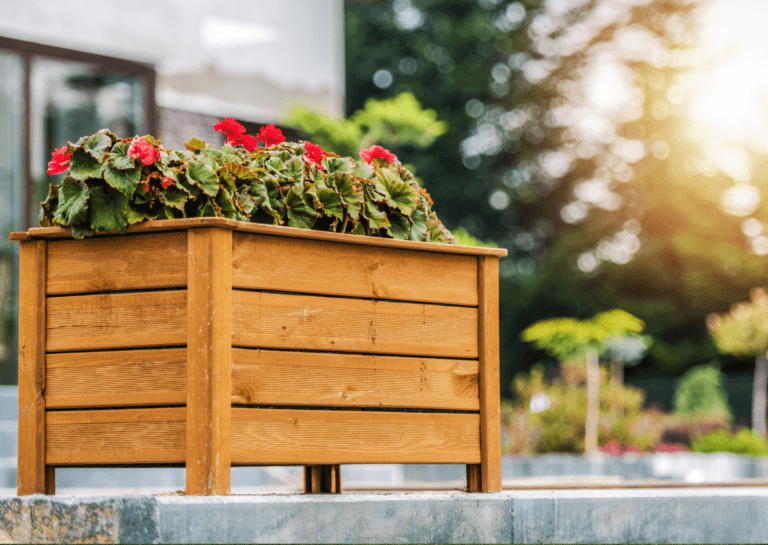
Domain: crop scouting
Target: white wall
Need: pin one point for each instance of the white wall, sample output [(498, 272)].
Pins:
[(251, 59)]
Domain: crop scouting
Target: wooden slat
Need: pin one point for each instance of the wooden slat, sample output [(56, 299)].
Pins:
[(31, 471), (269, 320), (192, 223), (490, 396), (118, 436), (306, 437), (209, 357), (152, 260), (267, 377), (120, 320), (119, 378), (331, 268)]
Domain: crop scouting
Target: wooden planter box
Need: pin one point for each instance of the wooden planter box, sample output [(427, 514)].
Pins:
[(208, 343)]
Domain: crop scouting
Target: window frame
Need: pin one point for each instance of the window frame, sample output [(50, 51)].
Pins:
[(27, 51)]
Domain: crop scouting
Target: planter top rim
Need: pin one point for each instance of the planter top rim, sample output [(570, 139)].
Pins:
[(243, 226)]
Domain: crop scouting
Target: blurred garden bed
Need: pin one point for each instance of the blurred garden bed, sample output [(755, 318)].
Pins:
[(549, 414)]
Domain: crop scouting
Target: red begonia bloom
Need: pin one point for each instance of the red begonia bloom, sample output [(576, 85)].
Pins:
[(373, 152), (144, 150), (230, 128), (270, 135), (246, 140), (612, 448), (146, 183), (166, 183), (59, 162), (314, 152)]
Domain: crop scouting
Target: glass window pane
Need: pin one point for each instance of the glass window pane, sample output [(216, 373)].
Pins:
[(70, 100), (11, 205)]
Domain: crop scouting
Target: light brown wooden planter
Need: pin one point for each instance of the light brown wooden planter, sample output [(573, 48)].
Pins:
[(208, 343)]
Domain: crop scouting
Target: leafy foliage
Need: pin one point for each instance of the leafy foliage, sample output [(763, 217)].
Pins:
[(566, 338), (107, 189), (701, 393), (744, 330), (744, 442)]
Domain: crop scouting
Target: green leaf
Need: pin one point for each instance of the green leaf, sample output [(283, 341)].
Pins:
[(337, 164), (195, 144), (108, 210), (351, 191), (238, 171), (125, 181), (97, 146), (208, 210), (331, 201), (72, 208), (174, 197), (259, 192), (358, 230), (299, 207), (363, 170), (438, 232), (419, 227), (82, 166), (205, 177), (81, 231), (377, 218), (399, 227), (48, 206), (132, 215), (294, 167), (399, 194), (224, 200), (118, 158)]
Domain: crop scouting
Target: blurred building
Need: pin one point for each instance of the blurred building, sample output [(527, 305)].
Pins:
[(162, 67)]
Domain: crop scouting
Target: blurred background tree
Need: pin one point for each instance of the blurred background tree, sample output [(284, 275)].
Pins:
[(584, 340), (580, 136)]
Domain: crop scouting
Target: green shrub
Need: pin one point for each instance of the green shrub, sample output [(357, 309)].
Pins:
[(701, 393), (744, 442)]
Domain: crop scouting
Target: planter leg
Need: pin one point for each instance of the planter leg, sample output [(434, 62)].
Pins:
[(32, 474), (473, 478), (209, 361), (322, 479), (490, 396)]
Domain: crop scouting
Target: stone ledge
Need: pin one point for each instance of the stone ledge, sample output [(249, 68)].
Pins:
[(691, 515)]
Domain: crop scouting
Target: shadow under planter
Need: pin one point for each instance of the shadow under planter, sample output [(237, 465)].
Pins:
[(208, 343)]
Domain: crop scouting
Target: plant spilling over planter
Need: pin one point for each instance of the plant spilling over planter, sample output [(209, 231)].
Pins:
[(114, 183)]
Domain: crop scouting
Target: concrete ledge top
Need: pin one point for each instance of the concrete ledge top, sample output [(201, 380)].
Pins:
[(675, 515)]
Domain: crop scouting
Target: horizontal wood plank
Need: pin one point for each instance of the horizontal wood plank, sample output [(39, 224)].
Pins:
[(191, 223), (128, 436), (118, 378), (301, 322), (331, 268), (120, 320), (153, 260), (266, 377), (294, 436)]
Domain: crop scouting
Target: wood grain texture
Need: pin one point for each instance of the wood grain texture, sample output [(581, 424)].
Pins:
[(152, 260), (120, 320), (209, 357), (192, 223), (31, 472), (322, 479), (116, 378), (267, 377), (269, 320), (332, 268), (118, 436), (490, 396), (306, 437), (473, 478)]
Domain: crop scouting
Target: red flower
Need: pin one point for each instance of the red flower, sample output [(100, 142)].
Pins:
[(59, 162), (374, 152), (314, 153), (166, 183), (231, 128), (144, 150), (661, 447), (247, 141), (146, 183), (270, 135), (612, 448)]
